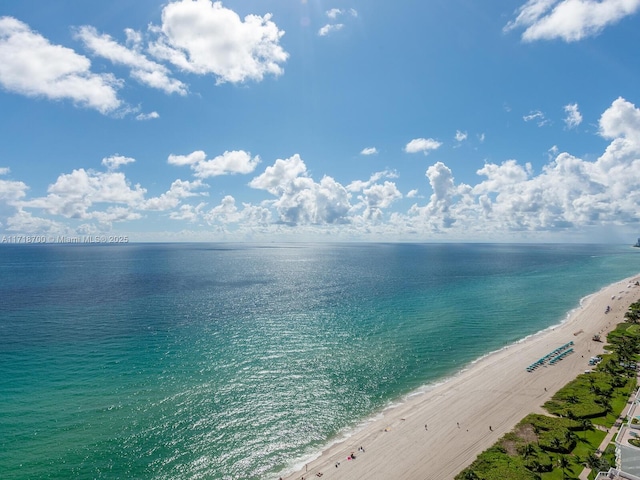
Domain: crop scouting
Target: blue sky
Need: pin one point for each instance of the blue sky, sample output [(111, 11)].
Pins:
[(312, 120)]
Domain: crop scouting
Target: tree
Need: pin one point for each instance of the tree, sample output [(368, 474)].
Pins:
[(569, 437), (563, 463), (573, 399), (470, 475), (535, 466), (592, 462), (527, 450), (586, 425)]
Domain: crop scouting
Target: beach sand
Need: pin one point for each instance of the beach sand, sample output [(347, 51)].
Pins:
[(438, 433)]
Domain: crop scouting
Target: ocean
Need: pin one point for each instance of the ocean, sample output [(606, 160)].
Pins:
[(238, 361)]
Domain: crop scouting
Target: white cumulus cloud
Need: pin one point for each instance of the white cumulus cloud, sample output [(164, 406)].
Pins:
[(569, 20), (301, 200), (229, 163), (369, 151), (330, 28), (179, 190), (145, 71), (203, 37), (116, 161), (237, 161), (30, 65), (424, 145), (574, 117), (622, 119), (192, 158), (147, 116), (74, 194)]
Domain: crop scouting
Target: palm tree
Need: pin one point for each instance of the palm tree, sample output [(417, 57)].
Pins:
[(535, 466), (556, 443), (592, 462), (470, 475), (610, 368), (604, 402), (573, 399), (633, 314), (563, 463), (587, 425), (569, 438), (528, 450)]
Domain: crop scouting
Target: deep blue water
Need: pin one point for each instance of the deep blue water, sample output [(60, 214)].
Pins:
[(223, 361)]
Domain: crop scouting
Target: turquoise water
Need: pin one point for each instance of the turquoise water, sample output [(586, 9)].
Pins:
[(225, 361)]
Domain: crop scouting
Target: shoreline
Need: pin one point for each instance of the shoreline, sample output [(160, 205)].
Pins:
[(438, 430)]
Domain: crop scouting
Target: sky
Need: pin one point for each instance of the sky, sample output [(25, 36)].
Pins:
[(320, 120)]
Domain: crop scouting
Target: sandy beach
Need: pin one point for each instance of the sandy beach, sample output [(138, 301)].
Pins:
[(437, 433)]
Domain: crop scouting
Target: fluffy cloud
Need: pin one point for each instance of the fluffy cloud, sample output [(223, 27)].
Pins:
[(622, 119), (424, 145), (24, 222), (574, 117), (179, 190), (237, 161), (378, 197), (143, 70), (11, 191), (188, 213), (333, 14), (460, 136), (570, 20), (147, 116), (369, 151), (116, 161), (73, 195), (359, 185), (31, 66), (192, 158), (279, 177), (203, 37), (300, 199), (330, 28)]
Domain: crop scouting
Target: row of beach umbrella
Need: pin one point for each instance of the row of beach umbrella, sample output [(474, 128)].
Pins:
[(552, 357)]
